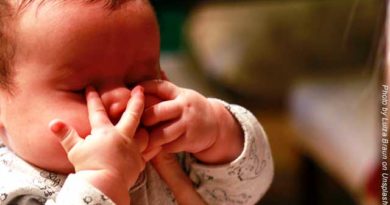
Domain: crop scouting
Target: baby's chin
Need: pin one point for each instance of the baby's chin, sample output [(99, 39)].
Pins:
[(49, 156), (61, 168), (58, 164)]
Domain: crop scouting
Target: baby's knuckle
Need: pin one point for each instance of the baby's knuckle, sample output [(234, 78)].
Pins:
[(132, 115), (185, 104), (101, 131), (72, 156)]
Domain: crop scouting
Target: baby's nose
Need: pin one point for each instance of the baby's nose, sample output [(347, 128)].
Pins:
[(115, 101)]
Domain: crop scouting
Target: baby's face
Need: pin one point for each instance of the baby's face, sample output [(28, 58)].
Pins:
[(63, 46)]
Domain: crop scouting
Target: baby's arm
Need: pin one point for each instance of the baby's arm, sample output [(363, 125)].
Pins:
[(109, 159), (244, 180), (233, 159)]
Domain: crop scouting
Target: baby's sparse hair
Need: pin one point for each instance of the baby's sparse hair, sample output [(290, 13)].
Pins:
[(5, 44), (8, 15)]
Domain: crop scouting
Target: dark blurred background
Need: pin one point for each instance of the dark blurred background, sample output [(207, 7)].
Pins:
[(308, 69)]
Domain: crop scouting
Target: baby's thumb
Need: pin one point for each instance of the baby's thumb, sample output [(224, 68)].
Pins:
[(179, 183), (66, 134)]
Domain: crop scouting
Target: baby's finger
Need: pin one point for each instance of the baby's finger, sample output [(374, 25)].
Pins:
[(151, 100), (163, 111), (130, 119), (96, 111), (166, 133), (150, 154), (141, 137), (66, 134), (175, 146), (161, 88)]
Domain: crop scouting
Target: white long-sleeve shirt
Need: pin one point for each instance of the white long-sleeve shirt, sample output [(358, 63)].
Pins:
[(242, 181)]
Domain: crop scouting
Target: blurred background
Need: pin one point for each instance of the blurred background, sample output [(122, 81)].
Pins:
[(308, 69)]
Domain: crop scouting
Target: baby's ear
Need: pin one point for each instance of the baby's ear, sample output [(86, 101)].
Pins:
[(3, 132)]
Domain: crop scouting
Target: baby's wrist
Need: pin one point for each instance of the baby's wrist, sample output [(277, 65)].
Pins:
[(109, 184), (229, 142)]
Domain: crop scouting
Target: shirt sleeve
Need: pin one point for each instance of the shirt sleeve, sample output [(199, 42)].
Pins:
[(244, 180), (23, 184), (77, 191)]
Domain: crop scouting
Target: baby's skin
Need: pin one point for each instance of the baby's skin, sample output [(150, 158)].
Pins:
[(187, 121), (124, 146), (86, 98), (118, 161)]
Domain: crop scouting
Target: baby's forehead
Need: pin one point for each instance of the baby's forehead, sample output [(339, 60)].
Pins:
[(45, 8), (77, 17), (90, 35), (110, 4)]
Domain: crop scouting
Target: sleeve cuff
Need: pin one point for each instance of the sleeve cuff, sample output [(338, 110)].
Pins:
[(250, 174), (77, 191)]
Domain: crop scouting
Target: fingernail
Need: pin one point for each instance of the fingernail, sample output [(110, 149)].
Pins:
[(138, 89), (56, 126), (89, 89)]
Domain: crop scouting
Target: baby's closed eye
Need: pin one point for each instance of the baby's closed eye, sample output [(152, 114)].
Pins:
[(78, 91)]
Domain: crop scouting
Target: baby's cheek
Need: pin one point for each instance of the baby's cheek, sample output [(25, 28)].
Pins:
[(80, 122), (115, 111), (83, 128)]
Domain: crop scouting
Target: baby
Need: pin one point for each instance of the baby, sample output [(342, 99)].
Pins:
[(84, 106)]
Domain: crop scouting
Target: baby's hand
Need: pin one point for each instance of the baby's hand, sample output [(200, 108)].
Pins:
[(109, 157), (187, 121), (183, 121)]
